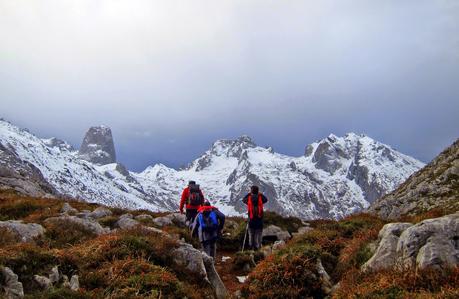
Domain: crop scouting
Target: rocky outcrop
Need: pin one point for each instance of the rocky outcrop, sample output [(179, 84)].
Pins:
[(22, 176), (58, 143), (385, 255), (68, 209), (275, 233), (171, 219), (26, 232), (214, 279), (12, 287), (187, 257), (100, 212), (434, 186), (432, 243), (98, 146), (74, 283), (126, 221), (86, 223)]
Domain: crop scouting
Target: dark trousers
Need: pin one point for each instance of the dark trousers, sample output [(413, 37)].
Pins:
[(190, 215), (210, 248), (255, 237)]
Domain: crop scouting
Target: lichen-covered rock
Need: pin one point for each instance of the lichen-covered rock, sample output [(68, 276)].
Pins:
[(12, 287), (191, 259), (278, 245), (100, 212), (26, 232), (126, 222), (215, 281), (144, 217), (275, 233), (54, 276), (43, 282), (68, 209), (385, 255), (88, 223), (163, 221), (324, 277), (74, 283), (430, 243)]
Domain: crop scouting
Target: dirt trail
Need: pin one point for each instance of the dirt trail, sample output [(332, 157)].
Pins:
[(226, 271)]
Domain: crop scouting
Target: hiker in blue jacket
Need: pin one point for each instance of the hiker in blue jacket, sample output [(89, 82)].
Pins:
[(208, 224)]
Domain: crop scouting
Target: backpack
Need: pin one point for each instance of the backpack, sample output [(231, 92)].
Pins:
[(194, 196), (208, 223)]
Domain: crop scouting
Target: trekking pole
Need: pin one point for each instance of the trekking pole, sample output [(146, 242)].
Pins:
[(245, 235)]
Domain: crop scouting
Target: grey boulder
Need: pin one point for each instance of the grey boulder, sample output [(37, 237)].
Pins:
[(430, 243), (385, 255), (68, 209), (214, 279), (43, 282), (26, 232), (87, 223), (191, 259), (126, 222), (12, 287), (100, 212), (275, 232)]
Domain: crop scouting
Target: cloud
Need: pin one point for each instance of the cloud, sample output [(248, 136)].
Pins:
[(193, 71)]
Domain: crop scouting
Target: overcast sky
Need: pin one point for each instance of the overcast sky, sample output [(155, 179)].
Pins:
[(170, 77)]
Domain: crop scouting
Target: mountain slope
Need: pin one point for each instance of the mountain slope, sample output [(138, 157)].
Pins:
[(58, 171), (434, 186), (336, 177)]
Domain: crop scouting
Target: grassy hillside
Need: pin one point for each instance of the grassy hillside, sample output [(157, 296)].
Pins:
[(342, 247), (136, 263), (124, 264)]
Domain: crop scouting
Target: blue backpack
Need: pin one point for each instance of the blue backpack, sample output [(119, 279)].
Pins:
[(209, 223)]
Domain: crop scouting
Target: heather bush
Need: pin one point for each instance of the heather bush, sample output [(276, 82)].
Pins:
[(64, 233), (291, 273), (27, 259), (16, 209)]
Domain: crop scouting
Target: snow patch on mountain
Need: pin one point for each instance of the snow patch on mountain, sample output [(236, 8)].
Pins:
[(335, 177)]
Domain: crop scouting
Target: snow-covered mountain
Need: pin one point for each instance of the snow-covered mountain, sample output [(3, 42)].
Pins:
[(335, 177)]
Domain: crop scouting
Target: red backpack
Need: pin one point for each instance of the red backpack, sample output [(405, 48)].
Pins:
[(194, 196)]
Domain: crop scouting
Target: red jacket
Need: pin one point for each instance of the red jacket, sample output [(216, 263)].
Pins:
[(185, 194)]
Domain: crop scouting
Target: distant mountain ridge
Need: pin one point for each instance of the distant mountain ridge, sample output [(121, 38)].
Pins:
[(336, 176)]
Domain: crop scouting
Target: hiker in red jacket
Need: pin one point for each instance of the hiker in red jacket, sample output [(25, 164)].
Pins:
[(193, 198), (254, 201)]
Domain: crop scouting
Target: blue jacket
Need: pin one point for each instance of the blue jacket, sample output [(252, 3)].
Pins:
[(205, 235)]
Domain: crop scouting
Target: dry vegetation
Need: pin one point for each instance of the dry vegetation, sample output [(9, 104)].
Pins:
[(137, 263), (125, 264), (343, 246)]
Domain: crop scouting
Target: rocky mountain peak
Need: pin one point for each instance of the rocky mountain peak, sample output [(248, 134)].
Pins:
[(98, 146), (54, 142)]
